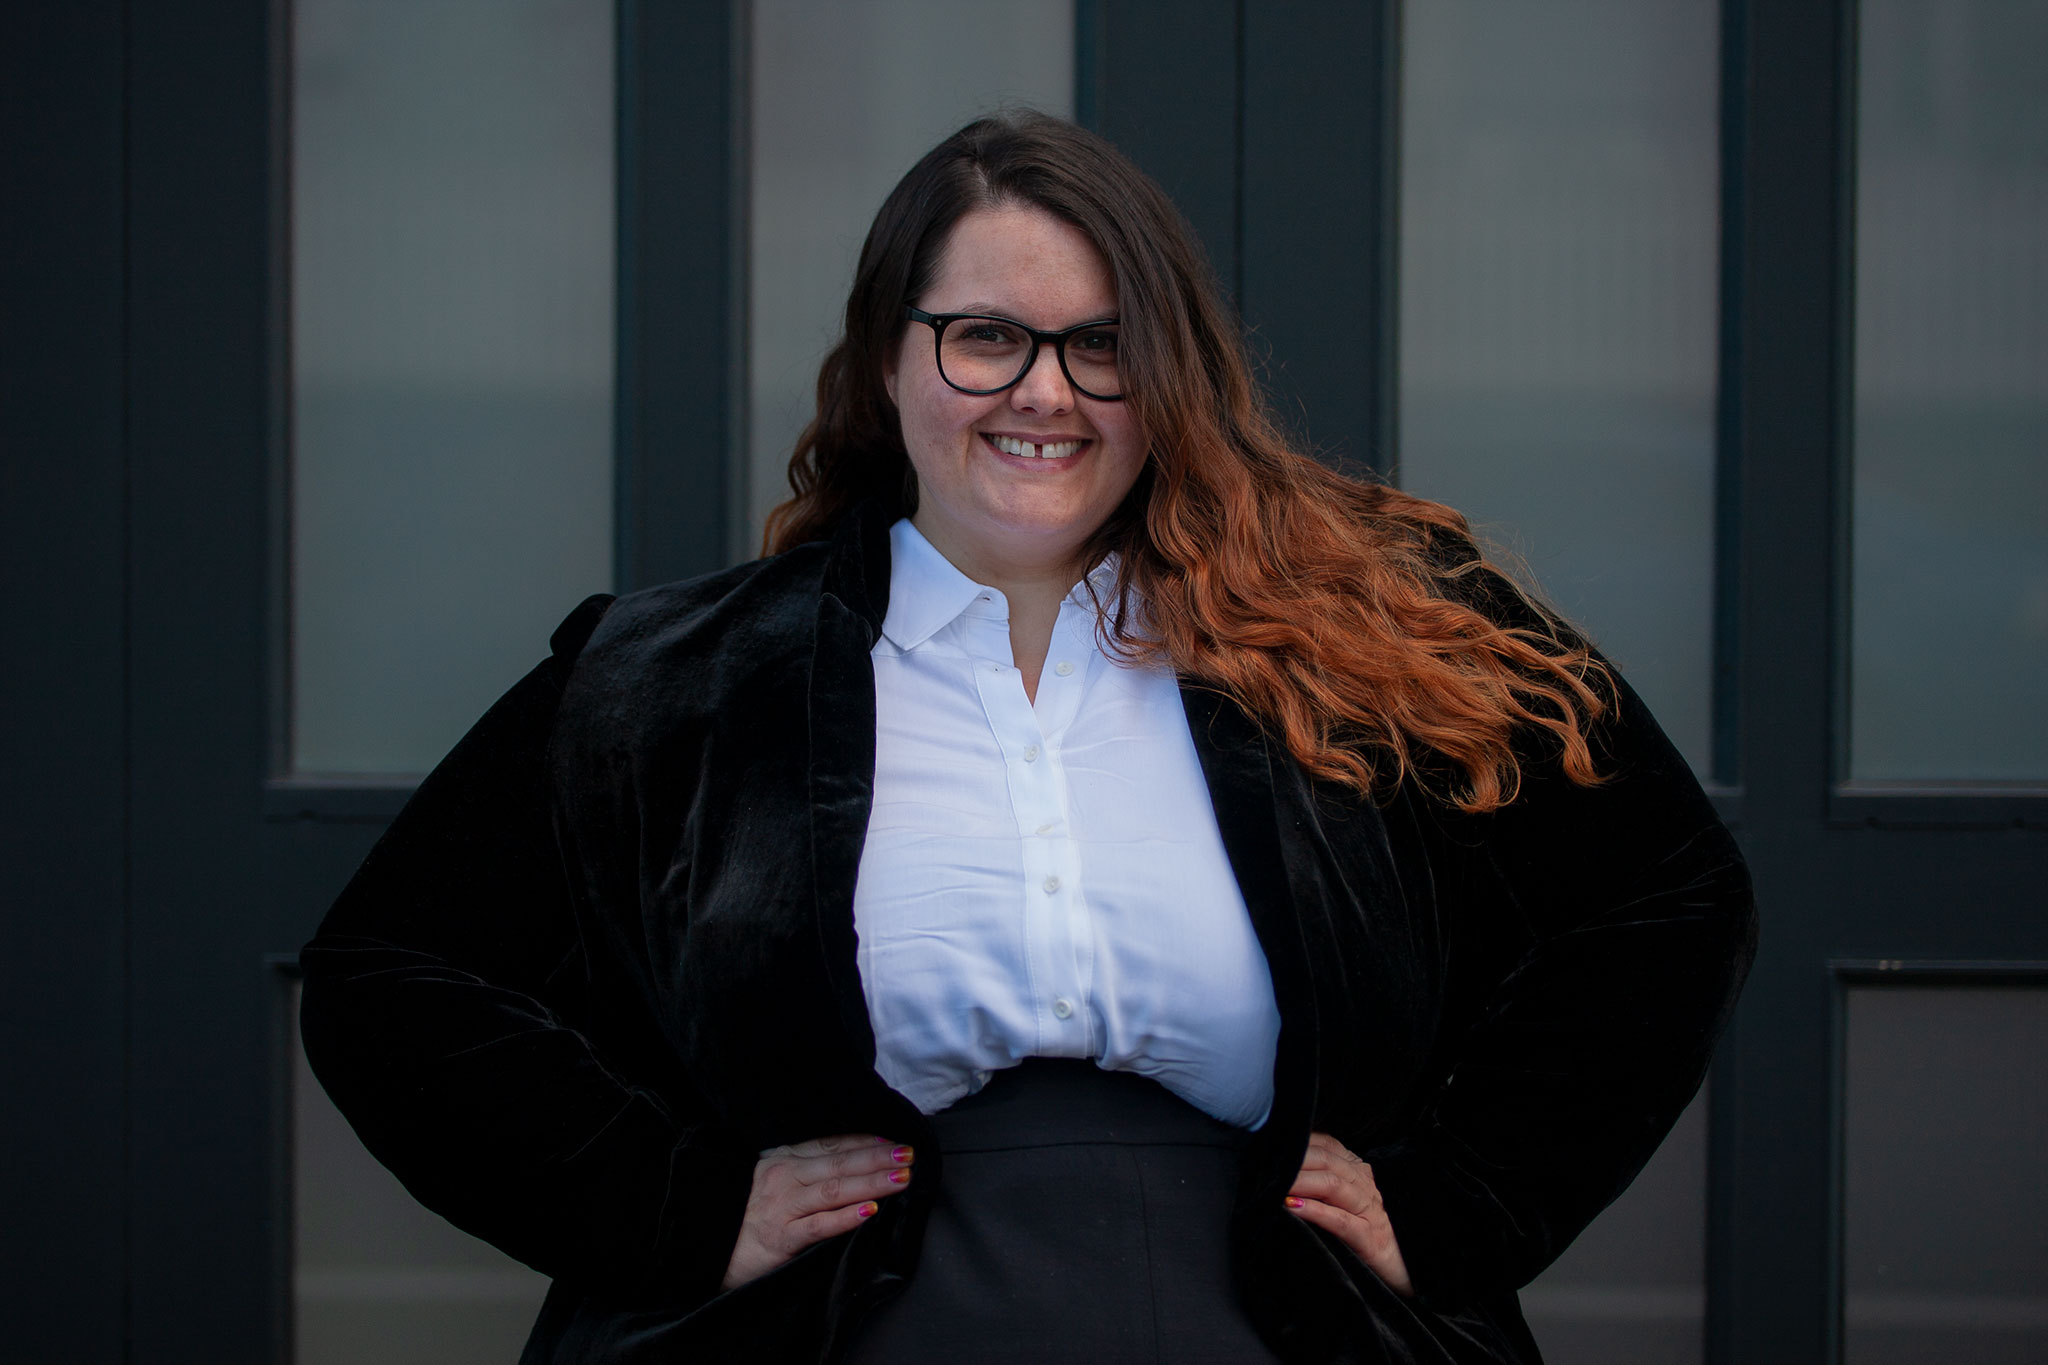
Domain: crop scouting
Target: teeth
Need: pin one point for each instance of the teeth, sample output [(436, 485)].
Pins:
[(1051, 450)]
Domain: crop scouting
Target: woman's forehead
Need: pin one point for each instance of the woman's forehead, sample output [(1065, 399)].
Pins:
[(1022, 262)]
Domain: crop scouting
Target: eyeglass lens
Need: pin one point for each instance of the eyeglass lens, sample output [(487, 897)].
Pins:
[(987, 354)]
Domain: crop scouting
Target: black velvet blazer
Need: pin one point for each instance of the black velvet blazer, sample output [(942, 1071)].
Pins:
[(605, 956)]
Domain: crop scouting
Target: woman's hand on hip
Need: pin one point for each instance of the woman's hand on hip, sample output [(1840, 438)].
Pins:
[(1336, 1192), (811, 1191)]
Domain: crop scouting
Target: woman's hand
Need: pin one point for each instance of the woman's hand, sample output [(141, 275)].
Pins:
[(811, 1191), (1335, 1191)]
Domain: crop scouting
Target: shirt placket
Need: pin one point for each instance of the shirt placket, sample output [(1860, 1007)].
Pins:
[(1053, 913), (1062, 690)]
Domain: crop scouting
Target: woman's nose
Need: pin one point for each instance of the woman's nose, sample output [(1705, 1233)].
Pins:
[(1044, 387)]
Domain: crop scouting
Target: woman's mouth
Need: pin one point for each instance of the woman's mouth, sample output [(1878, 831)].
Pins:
[(1049, 450)]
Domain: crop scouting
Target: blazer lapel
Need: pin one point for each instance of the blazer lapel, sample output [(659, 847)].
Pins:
[(841, 722), (1238, 768), (881, 1254)]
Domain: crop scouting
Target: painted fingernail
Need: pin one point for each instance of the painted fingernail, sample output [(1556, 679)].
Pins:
[(867, 1210), (1292, 1202), (899, 1177), (902, 1155)]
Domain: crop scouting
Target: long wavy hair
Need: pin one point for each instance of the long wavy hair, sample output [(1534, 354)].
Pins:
[(1345, 616)]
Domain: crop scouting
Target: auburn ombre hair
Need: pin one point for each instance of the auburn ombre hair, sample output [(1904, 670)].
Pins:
[(1345, 616)]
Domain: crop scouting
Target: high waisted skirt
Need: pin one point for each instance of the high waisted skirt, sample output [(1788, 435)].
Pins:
[(1084, 1216)]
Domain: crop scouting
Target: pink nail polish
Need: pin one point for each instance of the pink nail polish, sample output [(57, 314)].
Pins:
[(867, 1210), (1292, 1202), (902, 1155), (899, 1177)]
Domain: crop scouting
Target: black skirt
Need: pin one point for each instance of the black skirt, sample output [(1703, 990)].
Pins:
[(1084, 1216)]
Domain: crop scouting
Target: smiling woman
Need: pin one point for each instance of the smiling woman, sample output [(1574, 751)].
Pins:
[(1040, 910), (1014, 480), (1329, 607)]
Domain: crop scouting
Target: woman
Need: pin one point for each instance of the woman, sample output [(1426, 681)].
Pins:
[(742, 969)]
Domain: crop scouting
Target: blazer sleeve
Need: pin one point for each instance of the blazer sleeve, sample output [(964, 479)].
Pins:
[(432, 1014), (1609, 929)]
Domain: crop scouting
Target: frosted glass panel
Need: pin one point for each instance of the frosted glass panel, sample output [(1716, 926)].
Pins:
[(1945, 1212), (846, 97), (1632, 1288), (1559, 217), (1950, 550), (451, 475), (378, 1280)]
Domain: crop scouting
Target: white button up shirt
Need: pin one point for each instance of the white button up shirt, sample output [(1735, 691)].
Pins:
[(1045, 880)]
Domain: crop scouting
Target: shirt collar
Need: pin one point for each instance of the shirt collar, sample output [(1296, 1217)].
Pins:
[(927, 592), (1103, 576)]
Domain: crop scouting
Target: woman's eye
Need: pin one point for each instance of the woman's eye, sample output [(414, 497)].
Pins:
[(987, 332), (1098, 345)]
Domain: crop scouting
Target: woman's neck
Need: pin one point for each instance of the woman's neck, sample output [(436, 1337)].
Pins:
[(1033, 589), (1034, 610)]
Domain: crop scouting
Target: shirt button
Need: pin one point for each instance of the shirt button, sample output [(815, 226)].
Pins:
[(1031, 753), (1063, 668), (995, 668), (1047, 828), (1062, 1007), (1052, 886)]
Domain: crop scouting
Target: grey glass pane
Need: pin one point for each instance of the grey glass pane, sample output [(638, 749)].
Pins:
[(378, 1280), (1945, 1212), (1632, 1289), (451, 475), (845, 98), (1950, 547), (1559, 223)]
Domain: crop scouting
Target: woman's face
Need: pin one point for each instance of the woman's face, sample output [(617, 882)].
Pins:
[(993, 512)]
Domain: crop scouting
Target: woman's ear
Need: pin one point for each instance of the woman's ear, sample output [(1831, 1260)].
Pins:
[(889, 376)]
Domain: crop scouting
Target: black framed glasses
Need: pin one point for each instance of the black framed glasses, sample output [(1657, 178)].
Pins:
[(980, 354)]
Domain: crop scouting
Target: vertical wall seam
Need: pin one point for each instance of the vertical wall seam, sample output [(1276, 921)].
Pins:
[(1387, 269), (282, 626), (1843, 141), (623, 85), (1237, 104), (1087, 65), (1724, 1120), (127, 689), (1732, 122), (738, 474)]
